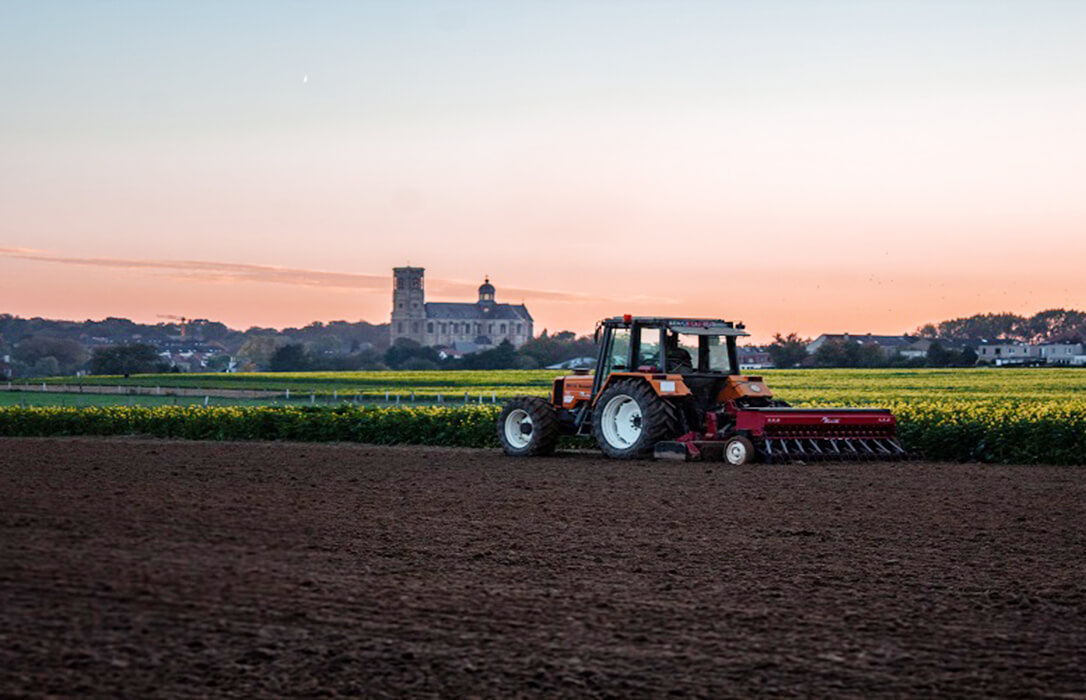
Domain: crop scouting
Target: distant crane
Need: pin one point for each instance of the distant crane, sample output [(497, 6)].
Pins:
[(182, 319)]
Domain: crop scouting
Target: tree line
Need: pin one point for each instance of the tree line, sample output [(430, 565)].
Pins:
[(406, 354), (1050, 326), (38, 347), (44, 347), (791, 351)]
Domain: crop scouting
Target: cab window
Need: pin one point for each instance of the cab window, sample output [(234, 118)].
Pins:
[(648, 354), (718, 355), (620, 351), (682, 352)]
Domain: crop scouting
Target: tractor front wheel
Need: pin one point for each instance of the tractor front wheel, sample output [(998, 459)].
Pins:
[(528, 427), (630, 418)]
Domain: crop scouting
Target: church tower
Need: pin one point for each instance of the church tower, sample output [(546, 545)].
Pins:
[(408, 303), (486, 293)]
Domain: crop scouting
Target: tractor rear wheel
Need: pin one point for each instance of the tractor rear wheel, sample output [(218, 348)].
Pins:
[(528, 427), (630, 418)]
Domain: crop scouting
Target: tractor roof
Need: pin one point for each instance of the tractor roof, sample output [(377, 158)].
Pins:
[(698, 326)]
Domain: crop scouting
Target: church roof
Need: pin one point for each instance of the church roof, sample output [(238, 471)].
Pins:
[(477, 312)]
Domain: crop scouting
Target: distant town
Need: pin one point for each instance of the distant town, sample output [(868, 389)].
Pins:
[(486, 334)]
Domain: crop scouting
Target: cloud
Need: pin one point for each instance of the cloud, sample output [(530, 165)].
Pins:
[(214, 271), (232, 273)]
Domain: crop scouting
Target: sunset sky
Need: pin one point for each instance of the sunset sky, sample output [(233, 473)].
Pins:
[(801, 166)]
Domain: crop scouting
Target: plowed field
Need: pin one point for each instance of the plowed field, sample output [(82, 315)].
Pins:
[(140, 568)]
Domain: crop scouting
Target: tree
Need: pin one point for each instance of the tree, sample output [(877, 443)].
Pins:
[(870, 355), (46, 367), (992, 326), (256, 351), (208, 330), (218, 363), (67, 354), (787, 351), (938, 356), (836, 353), (1057, 326), (405, 349), (368, 359), (419, 364), (127, 359), (967, 357), (292, 357), (502, 357)]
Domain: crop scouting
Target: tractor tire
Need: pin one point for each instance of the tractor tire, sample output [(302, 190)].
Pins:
[(528, 427), (630, 418), (739, 451)]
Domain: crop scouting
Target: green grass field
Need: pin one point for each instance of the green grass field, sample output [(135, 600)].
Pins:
[(802, 387), (31, 398)]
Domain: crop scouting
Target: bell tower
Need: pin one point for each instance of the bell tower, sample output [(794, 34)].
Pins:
[(408, 303)]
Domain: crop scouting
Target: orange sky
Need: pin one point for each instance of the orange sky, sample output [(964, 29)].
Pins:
[(820, 169)]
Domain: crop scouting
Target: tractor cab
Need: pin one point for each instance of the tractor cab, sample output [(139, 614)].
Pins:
[(694, 358)]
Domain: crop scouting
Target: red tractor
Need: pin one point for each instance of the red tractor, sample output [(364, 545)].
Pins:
[(671, 388)]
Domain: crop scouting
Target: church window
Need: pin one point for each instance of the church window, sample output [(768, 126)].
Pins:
[(400, 305), (502, 331), (444, 328), (519, 329), (399, 327), (430, 327), (490, 328), (415, 305)]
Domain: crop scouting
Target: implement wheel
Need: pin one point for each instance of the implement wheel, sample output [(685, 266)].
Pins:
[(528, 427), (630, 418), (738, 451)]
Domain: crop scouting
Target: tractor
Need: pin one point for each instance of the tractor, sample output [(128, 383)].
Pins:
[(670, 388)]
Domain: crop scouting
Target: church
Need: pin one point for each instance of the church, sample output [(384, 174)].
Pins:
[(464, 327)]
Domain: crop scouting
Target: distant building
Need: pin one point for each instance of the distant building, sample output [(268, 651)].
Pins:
[(1061, 353), (754, 358), (467, 327), (1009, 353)]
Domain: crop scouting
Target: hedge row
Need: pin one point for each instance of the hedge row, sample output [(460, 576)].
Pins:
[(454, 427), (1004, 433), (1050, 434)]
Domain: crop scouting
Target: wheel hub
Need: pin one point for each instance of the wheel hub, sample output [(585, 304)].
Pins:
[(518, 428), (621, 421)]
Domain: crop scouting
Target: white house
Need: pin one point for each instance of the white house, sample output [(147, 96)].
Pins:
[(1009, 353), (1061, 353)]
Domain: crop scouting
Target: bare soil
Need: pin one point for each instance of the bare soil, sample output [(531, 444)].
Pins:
[(150, 568)]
